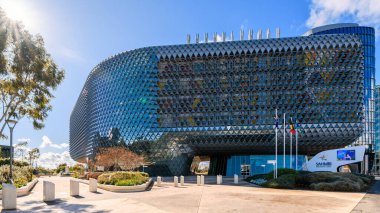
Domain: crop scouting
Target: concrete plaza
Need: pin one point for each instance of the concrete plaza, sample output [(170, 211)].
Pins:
[(189, 198)]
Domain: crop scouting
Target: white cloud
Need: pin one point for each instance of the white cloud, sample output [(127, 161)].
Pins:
[(51, 160), (365, 12), (21, 140), (46, 142)]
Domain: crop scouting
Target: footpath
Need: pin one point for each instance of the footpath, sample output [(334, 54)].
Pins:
[(370, 203)]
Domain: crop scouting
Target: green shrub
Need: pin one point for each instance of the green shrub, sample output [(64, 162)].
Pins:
[(286, 181), (60, 168), (329, 181), (125, 183), (323, 181), (259, 176), (305, 180), (104, 178), (21, 175), (119, 178), (6, 161), (20, 182), (340, 185)]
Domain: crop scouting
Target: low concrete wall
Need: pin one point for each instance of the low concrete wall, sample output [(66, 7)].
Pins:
[(25, 189), (112, 188)]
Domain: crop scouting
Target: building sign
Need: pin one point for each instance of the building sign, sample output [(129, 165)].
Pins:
[(323, 164), (330, 160)]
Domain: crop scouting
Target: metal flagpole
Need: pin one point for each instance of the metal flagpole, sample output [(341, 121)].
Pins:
[(291, 144), (296, 145), (275, 167), (284, 139)]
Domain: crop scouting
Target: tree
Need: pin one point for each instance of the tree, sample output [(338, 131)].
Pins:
[(33, 155), (28, 75), (21, 149), (60, 168), (118, 157)]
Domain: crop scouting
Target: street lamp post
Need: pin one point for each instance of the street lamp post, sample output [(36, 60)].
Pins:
[(11, 124)]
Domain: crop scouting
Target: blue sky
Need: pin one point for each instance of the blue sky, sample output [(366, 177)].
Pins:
[(79, 34)]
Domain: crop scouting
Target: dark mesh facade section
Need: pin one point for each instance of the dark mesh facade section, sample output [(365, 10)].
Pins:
[(226, 102), (367, 36), (169, 103)]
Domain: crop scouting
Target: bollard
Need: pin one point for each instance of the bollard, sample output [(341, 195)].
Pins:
[(182, 180), (9, 199), (48, 191), (202, 180), (74, 188), (93, 183), (219, 179), (236, 179), (198, 180), (175, 181), (159, 181)]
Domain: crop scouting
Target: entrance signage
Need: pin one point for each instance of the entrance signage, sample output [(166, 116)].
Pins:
[(330, 160)]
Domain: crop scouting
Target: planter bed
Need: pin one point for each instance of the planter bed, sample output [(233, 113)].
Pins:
[(113, 188)]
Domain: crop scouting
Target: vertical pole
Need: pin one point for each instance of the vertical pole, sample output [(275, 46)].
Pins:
[(297, 148), (291, 154), (284, 140), (275, 166), (11, 156)]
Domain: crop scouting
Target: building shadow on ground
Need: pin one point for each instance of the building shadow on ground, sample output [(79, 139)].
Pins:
[(56, 205)]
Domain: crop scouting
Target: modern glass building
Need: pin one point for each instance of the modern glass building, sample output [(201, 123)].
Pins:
[(377, 129), (171, 103), (367, 35)]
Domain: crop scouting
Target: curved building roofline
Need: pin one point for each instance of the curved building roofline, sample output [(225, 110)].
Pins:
[(329, 27)]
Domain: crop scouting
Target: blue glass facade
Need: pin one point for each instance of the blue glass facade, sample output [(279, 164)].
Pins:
[(170, 103), (258, 164), (377, 128)]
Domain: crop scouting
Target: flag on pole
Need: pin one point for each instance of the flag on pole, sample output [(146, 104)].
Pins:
[(291, 125), (276, 120)]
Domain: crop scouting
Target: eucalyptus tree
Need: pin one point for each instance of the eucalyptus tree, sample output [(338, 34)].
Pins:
[(33, 155), (28, 75), (21, 149)]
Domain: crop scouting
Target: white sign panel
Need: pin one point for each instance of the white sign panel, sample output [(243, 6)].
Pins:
[(330, 160)]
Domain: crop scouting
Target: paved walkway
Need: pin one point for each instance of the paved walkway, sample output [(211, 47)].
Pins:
[(189, 198), (371, 201)]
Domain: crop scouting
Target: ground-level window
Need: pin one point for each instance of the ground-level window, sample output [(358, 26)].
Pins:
[(245, 169)]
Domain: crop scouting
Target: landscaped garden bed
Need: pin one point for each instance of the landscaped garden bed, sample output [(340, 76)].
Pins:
[(23, 178), (122, 181), (320, 181), (22, 175), (123, 178)]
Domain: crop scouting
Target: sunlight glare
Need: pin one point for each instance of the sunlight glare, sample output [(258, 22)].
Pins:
[(18, 11)]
